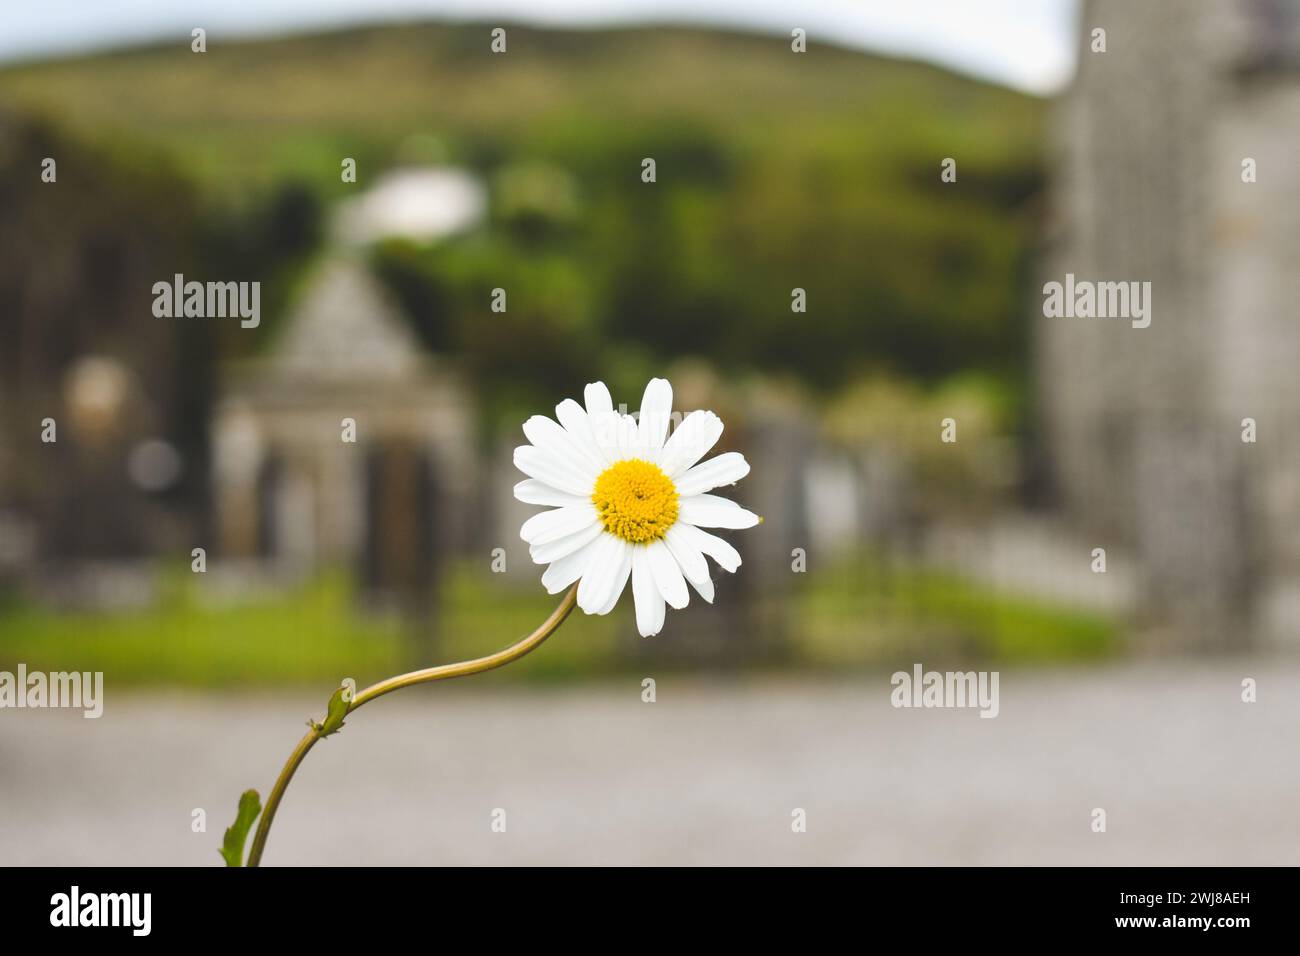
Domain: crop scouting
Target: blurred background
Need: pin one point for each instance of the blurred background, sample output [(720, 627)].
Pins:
[(882, 545)]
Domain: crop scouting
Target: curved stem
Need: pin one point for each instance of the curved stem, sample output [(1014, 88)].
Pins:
[(273, 798), (461, 669)]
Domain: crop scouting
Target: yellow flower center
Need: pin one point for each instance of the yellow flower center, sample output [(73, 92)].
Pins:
[(636, 501)]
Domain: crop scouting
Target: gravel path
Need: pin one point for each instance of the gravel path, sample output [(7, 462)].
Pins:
[(1187, 773)]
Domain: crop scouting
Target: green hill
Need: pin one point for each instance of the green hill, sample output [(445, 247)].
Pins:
[(265, 108), (775, 171)]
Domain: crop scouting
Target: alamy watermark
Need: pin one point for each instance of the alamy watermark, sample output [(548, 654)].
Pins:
[(37, 689), (208, 300), (1098, 300), (130, 910), (923, 688)]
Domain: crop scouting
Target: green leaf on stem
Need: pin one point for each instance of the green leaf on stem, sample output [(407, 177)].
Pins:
[(339, 705), (232, 847)]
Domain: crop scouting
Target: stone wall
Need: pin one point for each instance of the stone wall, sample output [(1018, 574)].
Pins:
[(1143, 426)]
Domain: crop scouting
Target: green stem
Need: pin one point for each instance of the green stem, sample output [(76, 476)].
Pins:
[(461, 669)]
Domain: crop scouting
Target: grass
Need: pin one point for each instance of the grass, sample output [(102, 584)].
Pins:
[(855, 614), (308, 634), (871, 612)]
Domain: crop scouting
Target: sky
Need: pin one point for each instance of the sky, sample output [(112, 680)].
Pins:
[(1028, 44)]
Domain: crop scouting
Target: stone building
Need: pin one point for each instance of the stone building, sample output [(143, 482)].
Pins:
[(347, 446), (1153, 152)]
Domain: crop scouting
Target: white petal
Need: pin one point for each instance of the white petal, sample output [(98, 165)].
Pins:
[(710, 511), (600, 587), (705, 587), (656, 410), (725, 469), (645, 594), (598, 400), (668, 576), (548, 435), (689, 557), (690, 441), (553, 470), (627, 437), (568, 569), (621, 575), (554, 550), (548, 526), (533, 492), (605, 429), (719, 550), (594, 584), (578, 425)]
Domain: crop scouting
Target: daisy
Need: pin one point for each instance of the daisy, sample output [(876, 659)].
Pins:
[(628, 500)]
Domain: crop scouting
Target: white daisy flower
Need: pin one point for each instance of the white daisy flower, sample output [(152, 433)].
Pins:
[(626, 503)]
